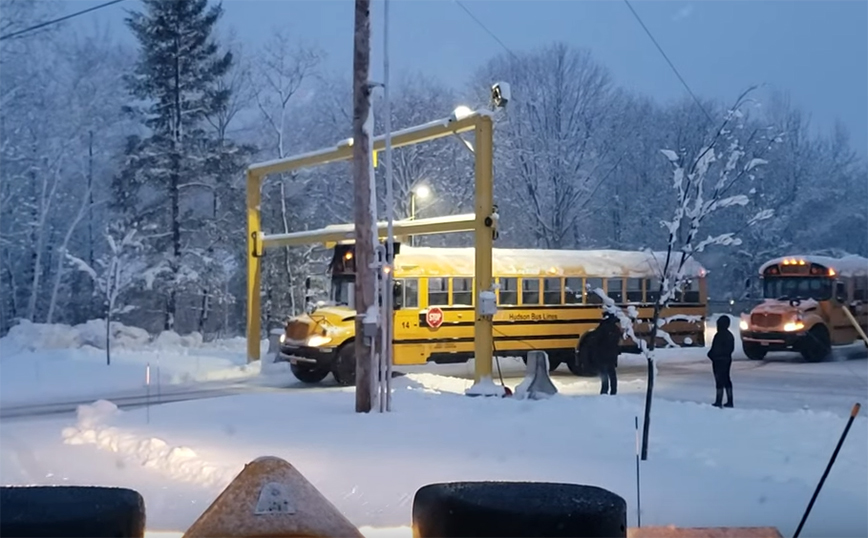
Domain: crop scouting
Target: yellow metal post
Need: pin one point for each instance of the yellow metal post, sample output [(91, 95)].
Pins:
[(254, 269), (483, 240)]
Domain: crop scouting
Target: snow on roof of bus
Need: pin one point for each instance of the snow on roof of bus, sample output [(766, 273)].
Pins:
[(849, 265), (603, 263)]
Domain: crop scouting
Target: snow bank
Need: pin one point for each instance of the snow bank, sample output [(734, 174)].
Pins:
[(50, 363), (176, 462)]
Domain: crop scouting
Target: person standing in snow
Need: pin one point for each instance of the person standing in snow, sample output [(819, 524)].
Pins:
[(720, 354), (604, 353)]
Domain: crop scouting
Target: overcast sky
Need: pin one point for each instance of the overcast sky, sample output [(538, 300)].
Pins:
[(815, 50)]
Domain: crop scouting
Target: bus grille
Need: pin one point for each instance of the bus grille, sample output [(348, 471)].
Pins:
[(297, 330), (765, 320)]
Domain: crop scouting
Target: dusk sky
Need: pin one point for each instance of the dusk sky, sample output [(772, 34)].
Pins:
[(815, 50)]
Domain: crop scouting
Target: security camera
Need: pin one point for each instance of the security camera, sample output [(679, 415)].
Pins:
[(500, 94)]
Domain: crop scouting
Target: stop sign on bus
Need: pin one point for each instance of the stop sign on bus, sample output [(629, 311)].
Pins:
[(434, 317)]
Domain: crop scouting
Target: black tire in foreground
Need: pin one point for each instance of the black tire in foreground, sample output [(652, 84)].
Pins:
[(71, 511), (507, 509)]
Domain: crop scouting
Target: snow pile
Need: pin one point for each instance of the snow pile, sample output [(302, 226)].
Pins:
[(27, 336), (176, 462), (51, 363)]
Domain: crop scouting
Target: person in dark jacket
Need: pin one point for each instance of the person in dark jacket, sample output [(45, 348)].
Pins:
[(604, 353), (721, 361)]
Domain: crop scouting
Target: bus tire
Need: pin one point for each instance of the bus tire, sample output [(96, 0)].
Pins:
[(309, 374), (754, 352), (576, 366), (816, 345), (344, 364)]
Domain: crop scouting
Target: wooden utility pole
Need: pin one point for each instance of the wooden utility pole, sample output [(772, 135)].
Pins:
[(366, 277)]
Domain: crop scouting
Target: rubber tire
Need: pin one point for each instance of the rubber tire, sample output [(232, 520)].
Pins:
[(580, 370), (817, 345), (344, 365), (309, 374), (753, 351)]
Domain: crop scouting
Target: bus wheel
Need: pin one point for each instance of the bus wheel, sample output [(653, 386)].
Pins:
[(754, 352), (344, 365), (308, 374), (816, 345)]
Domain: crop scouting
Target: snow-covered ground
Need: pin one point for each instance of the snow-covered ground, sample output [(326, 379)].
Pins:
[(707, 466), (45, 363)]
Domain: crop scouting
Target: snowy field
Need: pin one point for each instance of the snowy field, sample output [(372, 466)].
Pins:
[(707, 467)]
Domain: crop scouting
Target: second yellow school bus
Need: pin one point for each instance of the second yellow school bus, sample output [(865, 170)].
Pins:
[(542, 299)]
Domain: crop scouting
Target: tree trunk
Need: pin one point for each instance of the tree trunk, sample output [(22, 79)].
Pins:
[(365, 286), (175, 192), (108, 339), (62, 255)]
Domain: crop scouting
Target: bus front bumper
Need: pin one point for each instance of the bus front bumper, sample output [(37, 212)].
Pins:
[(773, 341), (320, 357)]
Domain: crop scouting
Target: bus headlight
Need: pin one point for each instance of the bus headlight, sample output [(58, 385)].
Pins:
[(317, 340), (743, 325), (793, 326)]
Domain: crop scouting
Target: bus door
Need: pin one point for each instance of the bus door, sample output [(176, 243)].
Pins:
[(406, 320)]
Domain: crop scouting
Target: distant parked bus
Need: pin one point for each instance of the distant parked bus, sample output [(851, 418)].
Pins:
[(810, 304), (542, 302)]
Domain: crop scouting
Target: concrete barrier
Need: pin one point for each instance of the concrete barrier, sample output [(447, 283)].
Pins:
[(71, 512), (517, 509), (537, 383), (269, 497)]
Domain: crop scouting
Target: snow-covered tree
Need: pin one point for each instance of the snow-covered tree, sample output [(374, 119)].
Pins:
[(115, 273), (169, 173), (704, 184)]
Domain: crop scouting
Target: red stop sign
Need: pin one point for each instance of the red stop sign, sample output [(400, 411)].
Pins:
[(434, 317)]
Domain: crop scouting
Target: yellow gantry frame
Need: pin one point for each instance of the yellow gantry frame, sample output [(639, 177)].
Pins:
[(482, 222)]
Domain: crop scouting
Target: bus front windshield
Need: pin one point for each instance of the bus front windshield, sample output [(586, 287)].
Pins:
[(817, 288), (343, 291)]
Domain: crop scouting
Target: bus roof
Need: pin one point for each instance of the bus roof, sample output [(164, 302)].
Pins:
[(430, 261), (850, 265)]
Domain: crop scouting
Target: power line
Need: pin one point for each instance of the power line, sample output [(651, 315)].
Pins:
[(55, 21), (481, 25), (665, 57)]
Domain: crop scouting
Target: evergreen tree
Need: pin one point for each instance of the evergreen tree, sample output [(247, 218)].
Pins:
[(168, 185)]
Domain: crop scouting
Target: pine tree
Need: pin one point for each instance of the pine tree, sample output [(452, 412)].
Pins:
[(168, 183)]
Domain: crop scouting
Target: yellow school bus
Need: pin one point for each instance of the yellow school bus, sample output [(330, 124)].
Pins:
[(542, 297), (810, 303)]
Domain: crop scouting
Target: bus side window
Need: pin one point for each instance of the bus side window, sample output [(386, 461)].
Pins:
[(691, 291), (841, 292), (398, 294), (634, 290), (462, 291), (411, 293), (438, 291), (530, 291), (860, 292), (593, 284), (615, 289), (551, 291), (573, 291), (652, 290), (508, 294)]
